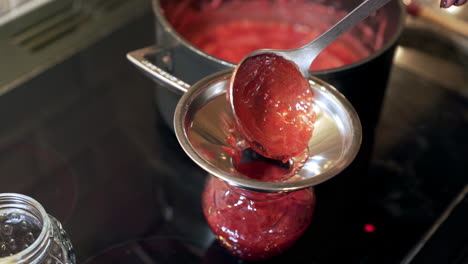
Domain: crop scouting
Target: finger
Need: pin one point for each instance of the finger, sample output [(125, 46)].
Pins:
[(447, 3), (460, 2)]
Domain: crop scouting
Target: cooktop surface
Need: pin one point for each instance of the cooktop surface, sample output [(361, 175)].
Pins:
[(86, 140)]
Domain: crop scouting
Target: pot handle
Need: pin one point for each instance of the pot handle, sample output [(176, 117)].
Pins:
[(160, 76)]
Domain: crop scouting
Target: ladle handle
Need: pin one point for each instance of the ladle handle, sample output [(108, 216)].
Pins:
[(344, 25), (162, 77)]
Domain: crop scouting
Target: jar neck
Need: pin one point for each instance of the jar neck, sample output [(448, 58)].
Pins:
[(255, 195), (24, 210)]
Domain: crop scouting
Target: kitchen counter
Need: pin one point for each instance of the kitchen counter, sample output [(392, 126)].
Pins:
[(84, 138)]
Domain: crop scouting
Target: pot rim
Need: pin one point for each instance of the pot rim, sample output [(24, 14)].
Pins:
[(393, 40)]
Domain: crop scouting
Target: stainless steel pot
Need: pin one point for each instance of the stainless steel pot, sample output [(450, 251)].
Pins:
[(362, 82)]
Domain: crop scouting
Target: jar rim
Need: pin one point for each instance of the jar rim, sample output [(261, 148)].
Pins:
[(43, 217), (255, 195)]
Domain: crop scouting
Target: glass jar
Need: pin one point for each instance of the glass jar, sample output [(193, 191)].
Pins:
[(256, 225), (29, 235)]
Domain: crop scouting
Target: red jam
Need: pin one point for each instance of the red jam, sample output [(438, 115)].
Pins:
[(231, 29), (253, 225), (262, 171), (273, 104), (233, 40)]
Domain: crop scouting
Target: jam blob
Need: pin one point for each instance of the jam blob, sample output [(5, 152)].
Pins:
[(254, 225), (273, 104)]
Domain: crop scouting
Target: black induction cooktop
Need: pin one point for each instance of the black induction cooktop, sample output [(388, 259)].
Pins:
[(85, 140)]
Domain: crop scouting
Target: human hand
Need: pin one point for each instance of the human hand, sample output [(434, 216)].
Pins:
[(449, 3)]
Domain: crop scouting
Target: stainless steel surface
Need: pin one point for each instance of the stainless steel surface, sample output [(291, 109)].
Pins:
[(12, 9), (203, 120), (438, 70), (139, 59), (305, 55), (55, 30)]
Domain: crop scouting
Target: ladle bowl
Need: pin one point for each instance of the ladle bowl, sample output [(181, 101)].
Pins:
[(204, 121)]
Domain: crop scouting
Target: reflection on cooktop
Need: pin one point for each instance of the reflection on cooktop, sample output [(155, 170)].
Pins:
[(153, 250), (449, 226)]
